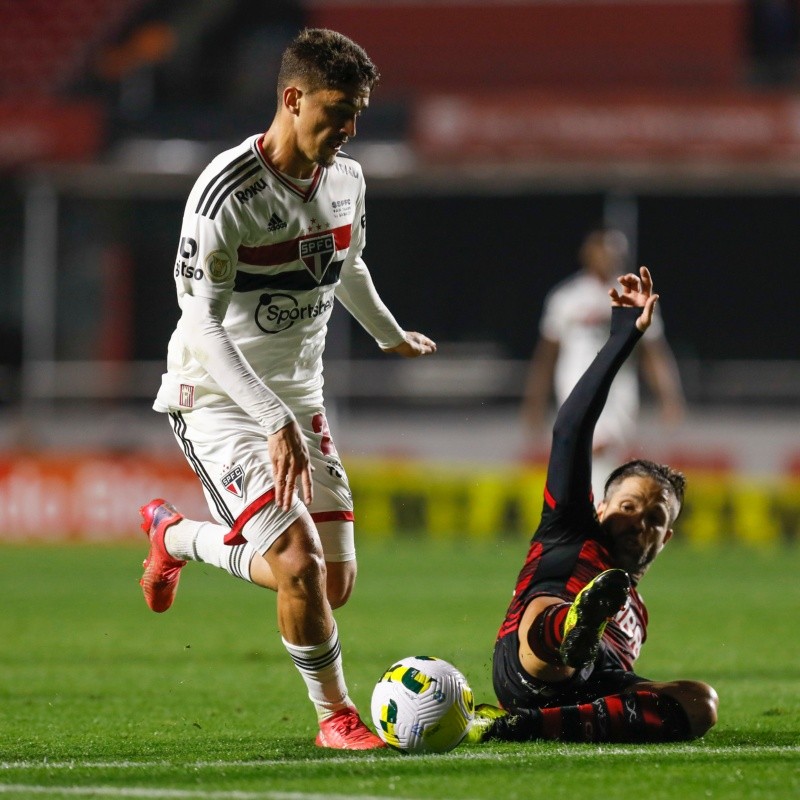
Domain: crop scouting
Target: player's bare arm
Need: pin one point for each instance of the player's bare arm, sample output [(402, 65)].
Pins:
[(414, 345), (290, 460)]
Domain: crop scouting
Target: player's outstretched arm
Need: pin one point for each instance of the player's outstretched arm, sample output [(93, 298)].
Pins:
[(414, 345), (636, 292)]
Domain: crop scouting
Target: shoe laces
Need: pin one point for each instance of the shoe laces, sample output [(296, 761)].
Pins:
[(348, 722)]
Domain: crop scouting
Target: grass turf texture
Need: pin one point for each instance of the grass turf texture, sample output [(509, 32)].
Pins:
[(99, 697)]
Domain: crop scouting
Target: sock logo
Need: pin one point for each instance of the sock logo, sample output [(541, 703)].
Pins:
[(233, 481)]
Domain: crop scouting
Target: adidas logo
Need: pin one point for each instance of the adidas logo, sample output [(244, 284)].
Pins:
[(275, 223)]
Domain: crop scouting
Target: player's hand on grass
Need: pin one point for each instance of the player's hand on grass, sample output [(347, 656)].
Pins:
[(636, 292), (288, 453), (415, 344)]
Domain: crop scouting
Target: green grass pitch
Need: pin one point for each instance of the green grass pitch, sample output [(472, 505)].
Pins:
[(99, 697)]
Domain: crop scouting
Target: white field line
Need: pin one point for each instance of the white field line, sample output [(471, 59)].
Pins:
[(582, 753), (175, 794)]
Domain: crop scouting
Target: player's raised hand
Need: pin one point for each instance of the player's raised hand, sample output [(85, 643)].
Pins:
[(288, 453), (415, 344), (636, 292)]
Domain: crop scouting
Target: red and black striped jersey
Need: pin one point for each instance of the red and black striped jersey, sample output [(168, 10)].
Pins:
[(569, 547)]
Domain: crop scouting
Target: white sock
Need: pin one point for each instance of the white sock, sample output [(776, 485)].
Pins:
[(189, 540), (320, 666)]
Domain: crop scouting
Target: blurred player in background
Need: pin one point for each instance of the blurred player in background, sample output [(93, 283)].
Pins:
[(572, 329), (272, 233), (565, 653)]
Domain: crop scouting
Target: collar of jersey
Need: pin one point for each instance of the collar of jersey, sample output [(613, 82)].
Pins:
[(306, 192)]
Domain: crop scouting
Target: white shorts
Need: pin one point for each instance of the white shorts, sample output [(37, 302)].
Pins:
[(228, 451)]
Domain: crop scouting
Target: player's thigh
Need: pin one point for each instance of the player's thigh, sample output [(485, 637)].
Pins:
[(228, 451)]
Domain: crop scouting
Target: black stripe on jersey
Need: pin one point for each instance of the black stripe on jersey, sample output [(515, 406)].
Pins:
[(298, 280), (179, 426), (227, 193), (218, 183)]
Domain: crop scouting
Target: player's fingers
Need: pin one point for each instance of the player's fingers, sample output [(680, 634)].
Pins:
[(279, 476), (308, 485), (647, 280), (288, 488)]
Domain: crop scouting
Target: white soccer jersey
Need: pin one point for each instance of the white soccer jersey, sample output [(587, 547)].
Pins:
[(577, 314), (267, 253)]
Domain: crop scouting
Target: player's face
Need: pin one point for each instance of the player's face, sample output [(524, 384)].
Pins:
[(326, 121), (637, 518)]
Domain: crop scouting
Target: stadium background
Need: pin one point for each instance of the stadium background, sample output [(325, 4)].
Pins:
[(500, 132)]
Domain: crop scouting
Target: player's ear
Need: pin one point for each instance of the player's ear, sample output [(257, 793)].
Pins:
[(291, 99)]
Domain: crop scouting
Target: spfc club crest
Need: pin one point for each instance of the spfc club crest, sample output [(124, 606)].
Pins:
[(233, 481), (316, 253)]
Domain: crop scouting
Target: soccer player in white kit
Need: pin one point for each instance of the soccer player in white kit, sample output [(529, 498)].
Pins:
[(272, 233), (572, 330)]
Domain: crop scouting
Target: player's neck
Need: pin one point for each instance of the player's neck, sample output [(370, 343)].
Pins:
[(284, 157)]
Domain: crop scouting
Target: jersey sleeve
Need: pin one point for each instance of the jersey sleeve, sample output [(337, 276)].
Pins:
[(357, 292), (208, 250), (569, 469)]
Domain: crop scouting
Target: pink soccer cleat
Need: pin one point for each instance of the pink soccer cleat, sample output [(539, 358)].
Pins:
[(161, 571), (345, 731)]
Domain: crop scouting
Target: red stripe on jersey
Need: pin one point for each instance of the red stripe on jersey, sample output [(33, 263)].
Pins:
[(333, 516), (548, 498), (235, 534), (593, 560), (272, 255), (516, 610)]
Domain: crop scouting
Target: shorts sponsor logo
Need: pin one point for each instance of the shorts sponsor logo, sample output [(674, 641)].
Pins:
[(186, 399), (317, 253), (219, 267), (233, 481), (278, 312)]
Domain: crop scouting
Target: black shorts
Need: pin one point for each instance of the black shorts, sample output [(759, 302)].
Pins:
[(515, 688)]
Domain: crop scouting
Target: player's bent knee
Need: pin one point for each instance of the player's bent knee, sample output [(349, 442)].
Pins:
[(699, 702), (340, 582), (297, 562), (703, 709)]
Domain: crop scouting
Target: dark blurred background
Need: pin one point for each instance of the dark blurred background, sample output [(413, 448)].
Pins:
[(500, 133)]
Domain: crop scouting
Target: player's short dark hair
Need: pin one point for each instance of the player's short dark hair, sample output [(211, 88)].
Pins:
[(672, 480), (325, 59)]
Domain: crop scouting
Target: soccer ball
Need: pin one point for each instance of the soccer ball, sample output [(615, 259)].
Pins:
[(422, 705)]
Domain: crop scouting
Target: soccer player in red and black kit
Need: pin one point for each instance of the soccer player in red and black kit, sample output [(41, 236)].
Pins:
[(564, 656)]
